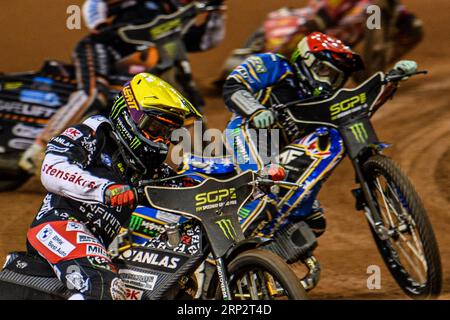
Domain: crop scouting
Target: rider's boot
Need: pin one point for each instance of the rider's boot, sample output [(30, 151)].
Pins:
[(32, 158)]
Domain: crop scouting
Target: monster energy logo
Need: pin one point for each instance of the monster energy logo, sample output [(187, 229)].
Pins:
[(117, 107), (243, 213), (359, 132), (135, 222), (227, 228), (136, 143)]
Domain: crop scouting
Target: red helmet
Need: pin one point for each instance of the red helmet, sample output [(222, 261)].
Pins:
[(324, 62)]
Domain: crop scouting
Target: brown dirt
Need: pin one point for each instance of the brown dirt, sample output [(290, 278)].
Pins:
[(417, 122)]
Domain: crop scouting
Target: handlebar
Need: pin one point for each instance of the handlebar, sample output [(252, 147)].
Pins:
[(269, 183), (395, 77), (117, 8), (258, 182)]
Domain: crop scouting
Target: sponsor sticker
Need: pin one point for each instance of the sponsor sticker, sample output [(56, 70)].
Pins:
[(167, 217), (134, 294), (75, 226), (20, 143), (55, 242), (53, 148), (138, 279), (72, 177), (84, 238), (95, 250), (48, 99), (62, 141), (72, 133), (76, 281), (24, 131), (118, 289), (162, 261)]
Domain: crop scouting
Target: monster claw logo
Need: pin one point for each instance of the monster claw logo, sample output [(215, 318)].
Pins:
[(135, 143), (359, 132), (227, 228)]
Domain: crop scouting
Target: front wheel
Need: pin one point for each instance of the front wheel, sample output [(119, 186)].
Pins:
[(408, 245), (262, 275)]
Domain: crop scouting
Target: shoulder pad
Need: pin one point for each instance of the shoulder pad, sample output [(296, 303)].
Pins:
[(95, 121)]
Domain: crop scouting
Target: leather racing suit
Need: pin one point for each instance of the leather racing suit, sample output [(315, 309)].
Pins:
[(73, 227), (263, 81)]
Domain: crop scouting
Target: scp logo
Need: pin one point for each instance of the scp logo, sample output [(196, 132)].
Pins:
[(347, 105), (215, 196)]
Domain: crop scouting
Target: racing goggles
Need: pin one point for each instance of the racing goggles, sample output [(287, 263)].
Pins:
[(156, 128), (324, 71)]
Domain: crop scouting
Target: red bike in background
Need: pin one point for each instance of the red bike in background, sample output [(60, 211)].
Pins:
[(352, 21)]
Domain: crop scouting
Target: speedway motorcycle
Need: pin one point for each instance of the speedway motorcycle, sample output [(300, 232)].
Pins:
[(339, 125), (164, 266), (28, 100)]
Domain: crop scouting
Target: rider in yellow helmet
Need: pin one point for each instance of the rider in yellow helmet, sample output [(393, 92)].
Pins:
[(144, 117), (89, 171)]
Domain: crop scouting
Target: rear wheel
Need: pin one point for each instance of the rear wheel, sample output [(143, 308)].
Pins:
[(408, 245), (262, 275)]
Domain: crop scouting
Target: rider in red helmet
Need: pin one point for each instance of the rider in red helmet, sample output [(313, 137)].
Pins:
[(320, 66)]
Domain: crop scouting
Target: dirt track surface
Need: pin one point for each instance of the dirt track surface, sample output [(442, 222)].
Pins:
[(417, 122)]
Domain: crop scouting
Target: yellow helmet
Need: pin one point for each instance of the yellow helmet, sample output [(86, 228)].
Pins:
[(149, 94), (144, 116)]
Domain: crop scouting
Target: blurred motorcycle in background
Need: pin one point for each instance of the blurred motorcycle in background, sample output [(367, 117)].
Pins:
[(28, 100), (399, 32)]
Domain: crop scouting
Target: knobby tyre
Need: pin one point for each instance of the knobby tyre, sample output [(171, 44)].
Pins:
[(410, 252), (262, 275)]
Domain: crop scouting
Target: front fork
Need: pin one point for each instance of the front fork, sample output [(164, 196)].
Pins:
[(223, 279), (366, 202)]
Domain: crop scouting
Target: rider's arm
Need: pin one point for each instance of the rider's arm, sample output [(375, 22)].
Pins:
[(254, 74), (95, 13), (206, 35), (64, 170)]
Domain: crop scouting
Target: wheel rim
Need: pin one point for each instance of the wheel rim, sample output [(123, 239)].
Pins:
[(403, 249), (256, 284)]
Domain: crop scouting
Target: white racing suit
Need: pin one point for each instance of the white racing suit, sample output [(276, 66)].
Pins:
[(73, 227)]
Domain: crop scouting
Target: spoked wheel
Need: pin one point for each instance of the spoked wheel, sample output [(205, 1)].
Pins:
[(408, 244), (262, 275)]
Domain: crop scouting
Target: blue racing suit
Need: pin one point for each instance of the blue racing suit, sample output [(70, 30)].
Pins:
[(264, 81)]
